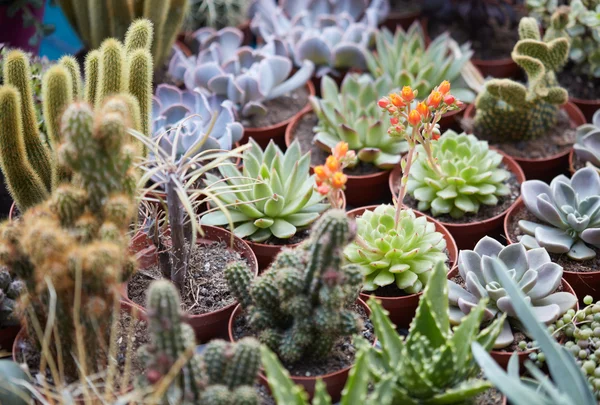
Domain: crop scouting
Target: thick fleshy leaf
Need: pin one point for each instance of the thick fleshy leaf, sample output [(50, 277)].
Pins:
[(554, 240), (586, 182), (488, 247), (505, 338), (530, 190), (515, 257), (563, 299), (549, 278)]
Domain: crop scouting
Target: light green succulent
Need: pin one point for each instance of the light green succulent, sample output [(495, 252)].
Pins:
[(273, 194), (403, 253), (468, 175), (406, 60), (351, 114)]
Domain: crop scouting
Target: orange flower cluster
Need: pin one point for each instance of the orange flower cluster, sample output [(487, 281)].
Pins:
[(329, 177)]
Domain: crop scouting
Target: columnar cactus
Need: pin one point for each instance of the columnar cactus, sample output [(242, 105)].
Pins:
[(223, 374), (508, 110), (10, 290), (300, 305)]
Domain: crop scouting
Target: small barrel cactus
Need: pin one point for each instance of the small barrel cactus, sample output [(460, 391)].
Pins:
[(404, 254), (351, 114), (280, 203), (10, 289), (587, 146), (534, 272), (470, 175), (300, 306), (570, 211)]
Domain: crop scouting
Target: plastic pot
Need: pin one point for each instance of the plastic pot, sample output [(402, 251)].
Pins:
[(468, 234), (213, 324), (334, 382), (583, 283), (549, 167), (587, 107), (402, 309)]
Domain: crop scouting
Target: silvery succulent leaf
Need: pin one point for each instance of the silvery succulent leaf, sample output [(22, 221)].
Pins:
[(587, 146)]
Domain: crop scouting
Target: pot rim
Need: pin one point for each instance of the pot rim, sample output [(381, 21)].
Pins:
[(577, 100)]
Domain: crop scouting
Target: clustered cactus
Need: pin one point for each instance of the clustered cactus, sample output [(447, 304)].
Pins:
[(508, 110), (10, 290), (301, 305), (402, 253), (470, 175), (351, 114), (569, 211), (216, 13), (273, 195), (97, 20), (587, 145), (224, 374)]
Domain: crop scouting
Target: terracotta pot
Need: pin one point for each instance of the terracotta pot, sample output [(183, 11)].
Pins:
[(583, 283), (275, 132), (571, 161), (402, 309), (451, 120), (335, 381), (550, 167), (468, 234), (587, 107), (213, 324), (265, 253), (398, 18), (498, 68), (316, 81)]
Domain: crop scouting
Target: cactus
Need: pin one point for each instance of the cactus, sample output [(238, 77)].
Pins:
[(10, 290), (223, 374), (507, 110), (299, 306), (98, 20)]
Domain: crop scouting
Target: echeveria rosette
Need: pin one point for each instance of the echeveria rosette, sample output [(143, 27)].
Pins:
[(587, 146), (569, 211), (471, 176), (351, 114), (275, 194), (533, 271), (403, 254)]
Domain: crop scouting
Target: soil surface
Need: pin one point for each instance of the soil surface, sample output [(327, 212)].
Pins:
[(206, 288), (568, 265), (586, 88), (298, 237), (489, 397), (280, 109), (579, 163), (340, 357)]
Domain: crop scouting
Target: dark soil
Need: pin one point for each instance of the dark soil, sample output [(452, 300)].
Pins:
[(403, 7), (341, 356), (584, 87), (559, 139), (206, 288), (489, 397), (568, 265), (304, 134), (280, 109), (298, 237)]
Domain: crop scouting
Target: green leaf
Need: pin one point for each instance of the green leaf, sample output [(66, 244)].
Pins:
[(448, 193), (391, 342), (460, 393), (321, 396), (301, 220), (283, 229), (263, 223), (244, 230), (218, 218), (465, 203), (282, 387), (358, 381), (274, 205)]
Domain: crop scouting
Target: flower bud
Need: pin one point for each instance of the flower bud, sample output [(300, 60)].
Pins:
[(414, 118), (338, 180), (332, 163), (444, 87), (321, 172), (434, 99), (407, 94), (449, 99), (340, 150), (422, 109), (394, 120), (383, 102), (323, 189), (396, 100)]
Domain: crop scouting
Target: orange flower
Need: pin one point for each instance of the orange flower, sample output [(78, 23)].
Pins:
[(434, 99), (444, 87), (394, 120), (449, 99), (321, 173), (383, 102), (338, 180), (422, 109), (332, 163), (408, 94), (414, 118), (323, 189), (396, 100), (340, 150)]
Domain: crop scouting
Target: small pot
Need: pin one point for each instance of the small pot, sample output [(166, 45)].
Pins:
[(402, 309), (584, 283), (275, 132), (266, 253), (334, 382), (549, 167), (316, 81), (398, 18), (468, 234), (213, 324), (498, 68), (587, 107)]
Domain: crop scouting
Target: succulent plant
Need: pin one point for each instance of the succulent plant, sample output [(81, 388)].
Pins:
[(508, 110), (470, 176), (280, 198), (587, 146), (569, 211), (300, 305), (534, 272), (194, 113), (405, 59), (403, 254), (215, 14), (333, 35), (351, 114), (10, 290)]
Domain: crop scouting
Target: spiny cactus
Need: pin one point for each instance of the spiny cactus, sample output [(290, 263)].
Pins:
[(508, 110), (10, 290), (98, 20), (300, 305), (77, 239), (222, 375)]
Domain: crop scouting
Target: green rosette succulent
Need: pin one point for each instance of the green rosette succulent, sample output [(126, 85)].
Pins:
[(272, 196), (468, 175), (351, 114), (404, 254)]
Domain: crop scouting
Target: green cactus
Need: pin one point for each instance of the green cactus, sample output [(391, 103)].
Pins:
[(92, 65), (71, 64), (301, 308), (223, 374), (507, 110), (57, 93)]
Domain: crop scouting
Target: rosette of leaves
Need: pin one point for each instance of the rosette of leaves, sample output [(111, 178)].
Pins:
[(468, 175), (533, 271), (273, 195), (406, 60), (351, 114), (587, 146), (570, 213), (404, 254)]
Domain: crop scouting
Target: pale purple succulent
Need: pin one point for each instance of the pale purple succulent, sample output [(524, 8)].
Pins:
[(570, 213), (197, 121), (587, 146), (533, 271)]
